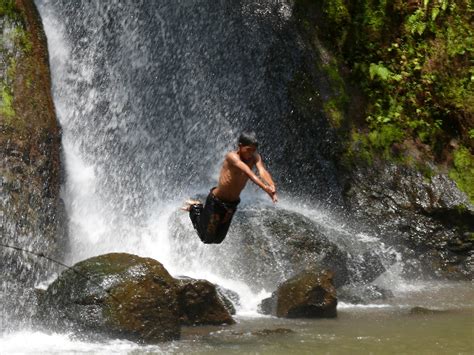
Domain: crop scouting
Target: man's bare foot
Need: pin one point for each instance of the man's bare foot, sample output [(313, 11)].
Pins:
[(189, 203)]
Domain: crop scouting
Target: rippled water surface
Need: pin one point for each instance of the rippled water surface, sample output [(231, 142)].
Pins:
[(379, 328)]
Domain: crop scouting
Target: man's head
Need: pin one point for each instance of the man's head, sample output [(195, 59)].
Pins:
[(247, 145)]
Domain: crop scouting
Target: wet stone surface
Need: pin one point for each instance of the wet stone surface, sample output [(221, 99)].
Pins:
[(430, 221)]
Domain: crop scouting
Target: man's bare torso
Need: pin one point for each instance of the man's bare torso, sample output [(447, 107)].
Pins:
[(232, 180)]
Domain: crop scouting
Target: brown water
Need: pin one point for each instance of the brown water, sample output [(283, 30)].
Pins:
[(387, 327), (383, 328)]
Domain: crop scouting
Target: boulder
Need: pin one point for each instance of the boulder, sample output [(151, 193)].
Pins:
[(117, 295), (428, 220), (266, 245), (130, 297), (310, 294), (200, 303)]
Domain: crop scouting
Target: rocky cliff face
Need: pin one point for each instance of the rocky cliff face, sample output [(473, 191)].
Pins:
[(31, 209), (429, 220), (396, 151)]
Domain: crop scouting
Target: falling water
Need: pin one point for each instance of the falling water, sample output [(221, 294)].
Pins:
[(150, 96)]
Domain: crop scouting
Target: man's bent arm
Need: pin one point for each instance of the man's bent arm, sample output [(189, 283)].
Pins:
[(265, 175), (245, 168)]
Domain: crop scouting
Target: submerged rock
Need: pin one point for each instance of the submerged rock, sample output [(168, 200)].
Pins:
[(200, 303), (266, 332), (276, 331), (310, 294), (116, 295)]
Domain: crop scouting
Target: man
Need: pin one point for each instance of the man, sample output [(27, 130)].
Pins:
[(212, 220)]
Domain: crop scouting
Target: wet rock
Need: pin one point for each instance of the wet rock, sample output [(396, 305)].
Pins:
[(229, 298), (200, 303), (114, 295), (310, 294), (266, 245), (425, 219), (362, 294), (31, 208), (267, 306)]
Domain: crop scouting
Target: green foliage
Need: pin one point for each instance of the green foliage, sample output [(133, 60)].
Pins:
[(471, 133), (416, 23), (365, 147), (21, 39), (333, 30), (335, 106), (6, 105), (385, 136), (463, 171), (338, 15), (7, 8), (378, 70), (14, 45), (336, 11), (359, 149), (414, 62), (334, 112)]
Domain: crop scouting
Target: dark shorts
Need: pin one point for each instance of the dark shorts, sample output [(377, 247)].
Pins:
[(212, 220)]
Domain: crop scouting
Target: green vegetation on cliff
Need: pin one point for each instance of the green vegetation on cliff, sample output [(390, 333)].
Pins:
[(24, 73), (29, 131), (413, 61), (463, 171)]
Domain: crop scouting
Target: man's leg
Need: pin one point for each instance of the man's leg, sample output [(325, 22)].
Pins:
[(205, 219), (195, 213), (223, 227), (211, 221)]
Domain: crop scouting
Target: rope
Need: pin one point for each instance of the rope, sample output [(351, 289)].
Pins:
[(42, 255)]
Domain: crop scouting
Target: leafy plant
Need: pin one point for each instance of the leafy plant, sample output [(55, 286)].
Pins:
[(463, 171)]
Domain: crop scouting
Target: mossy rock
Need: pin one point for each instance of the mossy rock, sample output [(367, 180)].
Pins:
[(310, 294), (114, 295), (200, 303), (32, 213)]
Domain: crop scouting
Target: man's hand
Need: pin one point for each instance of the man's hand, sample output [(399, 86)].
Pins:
[(271, 191), (274, 197)]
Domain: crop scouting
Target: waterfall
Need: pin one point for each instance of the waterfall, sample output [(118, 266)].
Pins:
[(150, 96)]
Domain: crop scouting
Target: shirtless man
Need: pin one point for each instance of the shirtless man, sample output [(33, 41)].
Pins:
[(212, 220)]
